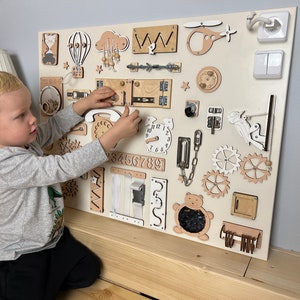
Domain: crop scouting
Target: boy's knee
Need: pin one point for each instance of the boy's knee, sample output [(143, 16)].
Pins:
[(85, 273), (94, 267)]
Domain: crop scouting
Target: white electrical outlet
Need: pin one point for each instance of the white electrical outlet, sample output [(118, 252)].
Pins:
[(277, 30)]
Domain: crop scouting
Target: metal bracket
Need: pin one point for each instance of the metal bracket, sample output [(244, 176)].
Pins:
[(183, 152)]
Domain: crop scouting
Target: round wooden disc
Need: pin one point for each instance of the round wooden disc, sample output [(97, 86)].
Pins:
[(209, 79)]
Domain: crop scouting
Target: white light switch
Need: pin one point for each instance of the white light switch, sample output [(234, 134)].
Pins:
[(275, 64), (260, 64), (268, 64)]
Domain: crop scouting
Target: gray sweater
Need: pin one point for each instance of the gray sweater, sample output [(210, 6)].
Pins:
[(31, 202)]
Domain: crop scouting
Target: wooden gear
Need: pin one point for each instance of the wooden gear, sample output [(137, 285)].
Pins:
[(255, 168), (215, 184)]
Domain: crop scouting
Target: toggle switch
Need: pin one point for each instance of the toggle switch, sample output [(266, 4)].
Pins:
[(268, 64), (192, 108)]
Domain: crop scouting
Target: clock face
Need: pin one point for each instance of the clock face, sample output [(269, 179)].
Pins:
[(158, 138)]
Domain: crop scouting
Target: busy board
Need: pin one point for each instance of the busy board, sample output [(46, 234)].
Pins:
[(211, 91)]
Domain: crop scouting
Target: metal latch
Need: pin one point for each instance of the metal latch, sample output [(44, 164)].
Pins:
[(138, 190)]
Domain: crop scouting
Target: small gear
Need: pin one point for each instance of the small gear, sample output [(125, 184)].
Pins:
[(255, 168), (226, 159), (215, 184)]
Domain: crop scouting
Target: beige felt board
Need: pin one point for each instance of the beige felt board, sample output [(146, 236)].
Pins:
[(204, 163)]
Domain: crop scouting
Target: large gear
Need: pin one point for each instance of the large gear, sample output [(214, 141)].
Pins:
[(226, 159), (215, 184), (255, 168)]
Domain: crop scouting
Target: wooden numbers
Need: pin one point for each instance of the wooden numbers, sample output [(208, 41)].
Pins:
[(138, 161)]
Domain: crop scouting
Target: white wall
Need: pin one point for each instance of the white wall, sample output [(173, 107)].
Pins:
[(20, 22)]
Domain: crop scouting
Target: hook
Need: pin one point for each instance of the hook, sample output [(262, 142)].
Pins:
[(251, 20)]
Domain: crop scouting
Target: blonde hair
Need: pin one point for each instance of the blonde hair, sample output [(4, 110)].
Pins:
[(9, 82)]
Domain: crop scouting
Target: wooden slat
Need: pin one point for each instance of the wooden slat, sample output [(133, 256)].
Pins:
[(282, 270), (156, 242), (167, 267), (101, 290)]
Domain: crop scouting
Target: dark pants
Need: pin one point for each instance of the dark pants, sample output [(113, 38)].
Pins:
[(41, 275)]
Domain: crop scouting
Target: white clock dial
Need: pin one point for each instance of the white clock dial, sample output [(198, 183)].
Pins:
[(158, 138)]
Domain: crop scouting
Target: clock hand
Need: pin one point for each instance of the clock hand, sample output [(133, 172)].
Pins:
[(152, 139)]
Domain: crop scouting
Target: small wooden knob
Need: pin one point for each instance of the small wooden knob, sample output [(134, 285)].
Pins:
[(268, 163)]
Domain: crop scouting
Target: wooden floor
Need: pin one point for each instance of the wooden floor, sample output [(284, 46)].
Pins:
[(141, 261), (101, 290)]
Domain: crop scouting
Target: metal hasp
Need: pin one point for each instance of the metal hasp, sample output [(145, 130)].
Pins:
[(214, 118)]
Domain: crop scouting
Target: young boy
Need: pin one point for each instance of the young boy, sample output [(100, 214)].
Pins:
[(38, 256)]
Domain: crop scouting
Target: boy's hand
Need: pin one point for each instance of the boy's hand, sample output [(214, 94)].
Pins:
[(125, 127), (99, 98)]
